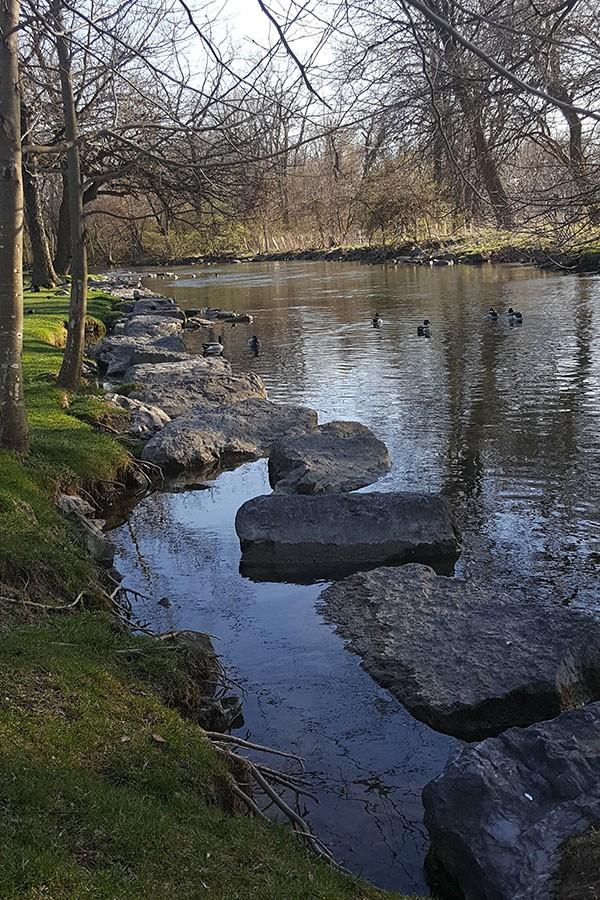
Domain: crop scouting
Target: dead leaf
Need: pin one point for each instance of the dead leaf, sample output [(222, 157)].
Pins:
[(159, 739), (125, 739)]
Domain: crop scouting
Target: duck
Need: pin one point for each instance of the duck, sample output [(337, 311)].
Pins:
[(424, 330), (254, 344), (514, 316), (213, 348), (491, 313), (376, 321)]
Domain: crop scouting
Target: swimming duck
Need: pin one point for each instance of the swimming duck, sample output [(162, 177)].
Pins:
[(254, 344), (514, 316), (424, 330), (491, 313), (376, 321)]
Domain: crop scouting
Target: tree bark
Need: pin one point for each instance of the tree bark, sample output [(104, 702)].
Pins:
[(62, 251), (42, 270), (13, 419), (70, 371)]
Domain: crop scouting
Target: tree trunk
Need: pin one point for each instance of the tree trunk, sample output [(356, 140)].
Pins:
[(70, 371), (42, 270), (588, 191), (486, 163), (13, 420), (62, 251)]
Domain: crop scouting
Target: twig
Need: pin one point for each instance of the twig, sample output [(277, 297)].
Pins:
[(239, 742), (43, 605)]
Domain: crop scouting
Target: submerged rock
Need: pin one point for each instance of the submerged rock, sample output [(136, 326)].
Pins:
[(500, 812), (462, 656), (295, 536), (208, 433), (338, 456)]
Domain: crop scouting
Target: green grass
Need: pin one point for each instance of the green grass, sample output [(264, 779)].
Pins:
[(93, 806), (38, 549)]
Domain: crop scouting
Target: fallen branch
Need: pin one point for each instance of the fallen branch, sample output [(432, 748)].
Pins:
[(23, 601), (239, 742)]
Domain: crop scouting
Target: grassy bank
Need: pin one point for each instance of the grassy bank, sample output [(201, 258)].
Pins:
[(107, 791)]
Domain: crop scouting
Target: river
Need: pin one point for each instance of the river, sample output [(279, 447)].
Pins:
[(504, 420)]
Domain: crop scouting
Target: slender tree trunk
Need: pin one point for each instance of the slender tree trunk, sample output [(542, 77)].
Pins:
[(70, 371), (62, 251), (13, 420), (42, 270)]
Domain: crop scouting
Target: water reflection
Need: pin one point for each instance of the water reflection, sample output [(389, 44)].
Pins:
[(504, 420)]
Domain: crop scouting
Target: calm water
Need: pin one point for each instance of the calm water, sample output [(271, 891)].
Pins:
[(504, 420)]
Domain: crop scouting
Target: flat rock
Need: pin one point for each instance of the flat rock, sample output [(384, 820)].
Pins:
[(463, 656), (297, 536), (209, 434), (204, 381), (150, 326), (336, 457), (182, 371), (144, 421), (501, 810), (117, 353)]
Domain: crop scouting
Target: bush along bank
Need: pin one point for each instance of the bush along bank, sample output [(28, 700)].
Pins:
[(110, 789), (452, 252)]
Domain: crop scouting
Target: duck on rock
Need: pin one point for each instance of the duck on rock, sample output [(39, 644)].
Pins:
[(424, 330), (213, 348)]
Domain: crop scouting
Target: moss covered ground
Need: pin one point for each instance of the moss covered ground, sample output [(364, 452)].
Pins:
[(106, 790)]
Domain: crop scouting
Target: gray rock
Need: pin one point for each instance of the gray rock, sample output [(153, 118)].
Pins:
[(149, 326), (182, 371), (461, 655), (82, 514), (74, 506), (334, 534), (338, 456), (501, 810), (197, 387), (144, 421), (118, 352), (209, 434), (197, 322)]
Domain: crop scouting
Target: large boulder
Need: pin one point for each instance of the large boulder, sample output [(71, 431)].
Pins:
[(148, 326), (500, 812), (144, 421), (204, 382), (297, 536), (209, 434), (461, 655), (119, 352), (336, 457)]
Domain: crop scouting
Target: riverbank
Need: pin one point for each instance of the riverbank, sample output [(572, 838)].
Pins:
[(480, 249), (109, 790)]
